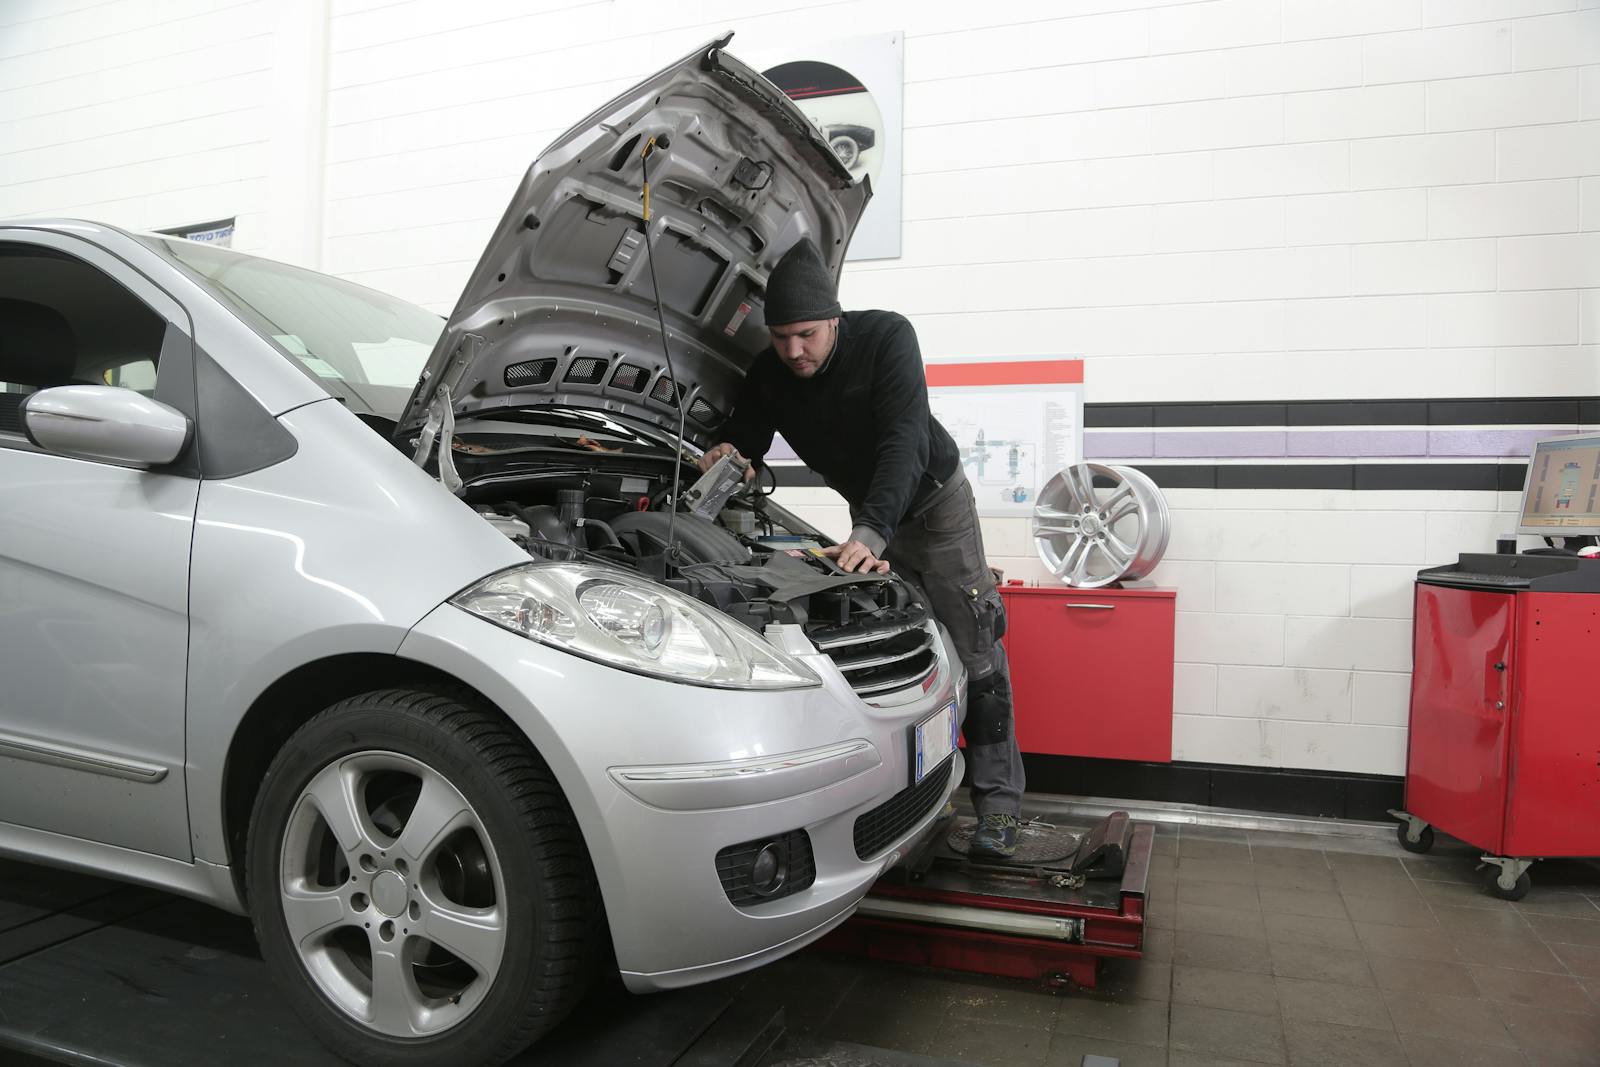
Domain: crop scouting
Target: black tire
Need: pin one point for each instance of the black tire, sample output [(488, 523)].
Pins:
[(1424, 840), (1516, 892), (553, 934)]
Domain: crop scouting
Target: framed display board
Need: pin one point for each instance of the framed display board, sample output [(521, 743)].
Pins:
[(1015, 422)]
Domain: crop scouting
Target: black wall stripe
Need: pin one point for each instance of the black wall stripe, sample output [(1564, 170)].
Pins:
[(1508, 411), (1482, 477), (1291, 792)]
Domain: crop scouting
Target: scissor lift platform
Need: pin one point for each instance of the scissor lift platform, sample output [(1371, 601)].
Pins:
[(1048, 920)]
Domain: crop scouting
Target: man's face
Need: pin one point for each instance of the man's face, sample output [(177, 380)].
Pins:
[(804, 346)]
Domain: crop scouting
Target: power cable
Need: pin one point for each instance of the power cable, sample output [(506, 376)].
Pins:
[(651, 145)]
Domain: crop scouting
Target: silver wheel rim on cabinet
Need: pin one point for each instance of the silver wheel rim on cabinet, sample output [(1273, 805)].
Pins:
[(392, 894), (1091, 537)]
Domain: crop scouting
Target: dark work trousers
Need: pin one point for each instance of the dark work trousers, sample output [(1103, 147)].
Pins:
[(941, 550)]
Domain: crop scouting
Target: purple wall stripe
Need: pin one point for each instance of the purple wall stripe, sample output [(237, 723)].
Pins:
[(1322, 443), (1490, 442), (1223, 444), (1316, 443), (1102, 444)]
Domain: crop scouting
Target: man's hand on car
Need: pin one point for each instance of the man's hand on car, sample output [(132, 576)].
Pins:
[(855, 556), (716, 452)]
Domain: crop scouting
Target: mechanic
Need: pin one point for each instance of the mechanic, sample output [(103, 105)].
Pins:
[(847, 391)]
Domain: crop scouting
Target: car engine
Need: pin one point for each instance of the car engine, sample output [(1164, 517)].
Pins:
[(757, 562)]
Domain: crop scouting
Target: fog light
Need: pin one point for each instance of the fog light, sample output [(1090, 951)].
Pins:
[(769, 870)]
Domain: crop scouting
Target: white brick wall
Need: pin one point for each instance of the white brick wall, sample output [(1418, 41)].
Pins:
[(1211, 200)]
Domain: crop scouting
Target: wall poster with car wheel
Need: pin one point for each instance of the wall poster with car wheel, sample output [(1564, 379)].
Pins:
[(852, 90), (1015, 423)]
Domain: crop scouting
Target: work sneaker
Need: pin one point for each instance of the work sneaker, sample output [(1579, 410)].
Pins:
[(995, 837)]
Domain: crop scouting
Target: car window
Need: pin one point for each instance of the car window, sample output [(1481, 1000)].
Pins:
[(363, 346), (65, 322)]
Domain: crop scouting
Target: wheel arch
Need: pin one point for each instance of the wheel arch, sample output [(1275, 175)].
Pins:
[(291, 701)]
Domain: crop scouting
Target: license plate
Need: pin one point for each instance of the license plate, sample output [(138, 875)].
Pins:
[(932, 741)]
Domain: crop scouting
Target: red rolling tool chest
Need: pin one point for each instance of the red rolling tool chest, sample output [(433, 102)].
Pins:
[(1504, 749), (1091, 670)]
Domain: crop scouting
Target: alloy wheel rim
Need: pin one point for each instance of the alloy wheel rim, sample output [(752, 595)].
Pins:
[(1091, 537), (392, 894)]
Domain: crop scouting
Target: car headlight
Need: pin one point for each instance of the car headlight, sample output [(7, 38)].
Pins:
[(618, 618)]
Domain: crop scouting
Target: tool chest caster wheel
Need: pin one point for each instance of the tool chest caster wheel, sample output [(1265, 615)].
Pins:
[(1423, 842), (1414, 834), (1508, 879)]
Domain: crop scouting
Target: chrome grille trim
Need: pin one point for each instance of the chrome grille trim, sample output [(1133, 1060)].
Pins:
[(862, 662), (877, 662), (829, 643), (890, 684)]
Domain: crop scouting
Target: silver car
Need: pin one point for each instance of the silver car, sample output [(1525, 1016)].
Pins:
[(390, 632)]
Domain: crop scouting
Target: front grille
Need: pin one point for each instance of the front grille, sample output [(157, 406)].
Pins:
[(734, 863), (883, 660), (531, 372), (876, 633), (880, 827)]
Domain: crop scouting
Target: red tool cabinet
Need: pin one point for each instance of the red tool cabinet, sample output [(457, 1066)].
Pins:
[(1091, 670), (1504, 747)]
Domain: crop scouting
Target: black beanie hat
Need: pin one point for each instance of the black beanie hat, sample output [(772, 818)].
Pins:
[(800, 288)]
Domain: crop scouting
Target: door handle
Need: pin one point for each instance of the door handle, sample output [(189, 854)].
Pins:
[(1094, 607), (1499, 666)]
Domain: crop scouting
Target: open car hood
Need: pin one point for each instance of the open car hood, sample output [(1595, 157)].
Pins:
[(561, 311)]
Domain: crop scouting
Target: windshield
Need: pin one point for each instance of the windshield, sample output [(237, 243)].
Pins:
[(362, 346)]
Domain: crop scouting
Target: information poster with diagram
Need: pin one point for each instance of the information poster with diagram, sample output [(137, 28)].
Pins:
[(1012, 437)]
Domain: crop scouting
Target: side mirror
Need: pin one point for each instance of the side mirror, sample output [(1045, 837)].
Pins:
[(107, 423)]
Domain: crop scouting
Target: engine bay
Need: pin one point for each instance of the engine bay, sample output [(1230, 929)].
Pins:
[(755, 561)]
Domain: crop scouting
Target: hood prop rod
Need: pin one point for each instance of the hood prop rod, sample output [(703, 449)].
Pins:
[(662, 141)]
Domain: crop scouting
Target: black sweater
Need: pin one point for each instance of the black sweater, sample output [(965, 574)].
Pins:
[(861, 422)]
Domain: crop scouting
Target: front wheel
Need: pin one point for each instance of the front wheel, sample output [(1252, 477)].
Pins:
[(418, 882)]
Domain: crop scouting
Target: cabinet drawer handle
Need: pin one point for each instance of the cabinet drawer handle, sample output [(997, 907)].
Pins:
[(1094, 607)]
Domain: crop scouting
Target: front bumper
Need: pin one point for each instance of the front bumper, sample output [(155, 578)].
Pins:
[(661, 776)]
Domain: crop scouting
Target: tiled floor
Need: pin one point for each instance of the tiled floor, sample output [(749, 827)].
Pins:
[(1265, 948)]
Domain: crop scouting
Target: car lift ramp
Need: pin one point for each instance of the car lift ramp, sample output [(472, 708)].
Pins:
[(1066, 902), (97, 973)]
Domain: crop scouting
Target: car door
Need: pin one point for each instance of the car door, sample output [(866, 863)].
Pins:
[(94, 563)]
